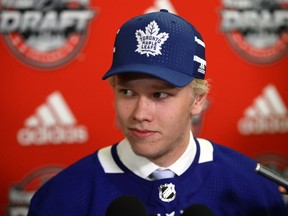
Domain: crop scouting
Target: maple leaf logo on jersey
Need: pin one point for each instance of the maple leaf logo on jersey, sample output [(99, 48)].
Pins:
[(150, 42)]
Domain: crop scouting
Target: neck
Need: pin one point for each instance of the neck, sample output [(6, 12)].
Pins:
[(171, 156)]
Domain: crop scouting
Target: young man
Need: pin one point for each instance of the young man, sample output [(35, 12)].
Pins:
[(158, 76)]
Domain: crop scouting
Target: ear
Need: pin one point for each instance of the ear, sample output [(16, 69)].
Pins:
[(198, 104)]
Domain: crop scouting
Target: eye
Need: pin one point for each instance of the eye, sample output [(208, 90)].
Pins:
[(160, 95), (127, 92)]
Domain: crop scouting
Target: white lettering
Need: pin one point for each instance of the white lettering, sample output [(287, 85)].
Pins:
[(37, 21), (30, 21), (17, 4), (9, 21), (50, 22), (52, 135), (248, 126), (252, 19), (79, 19)]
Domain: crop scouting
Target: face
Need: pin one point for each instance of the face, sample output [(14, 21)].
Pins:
[(154, 116)]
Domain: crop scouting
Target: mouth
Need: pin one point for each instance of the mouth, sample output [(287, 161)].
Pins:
[(141, 134)]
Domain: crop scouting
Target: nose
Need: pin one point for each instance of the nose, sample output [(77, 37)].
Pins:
[(143, 109)]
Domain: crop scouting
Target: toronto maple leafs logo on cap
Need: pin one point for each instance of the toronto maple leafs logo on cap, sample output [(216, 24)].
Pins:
[(150, 42)]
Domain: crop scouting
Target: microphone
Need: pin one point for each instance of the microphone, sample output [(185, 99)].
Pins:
[(198, 210), (272, 175), (126, 206)]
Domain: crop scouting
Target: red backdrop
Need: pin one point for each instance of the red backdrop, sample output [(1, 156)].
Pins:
[(55, 108)]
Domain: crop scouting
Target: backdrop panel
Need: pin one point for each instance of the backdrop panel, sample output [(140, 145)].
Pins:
[(55, 108)]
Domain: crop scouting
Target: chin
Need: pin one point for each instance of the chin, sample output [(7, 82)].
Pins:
[(146, 151)]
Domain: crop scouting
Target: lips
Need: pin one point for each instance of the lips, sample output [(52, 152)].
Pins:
[(141, 133)]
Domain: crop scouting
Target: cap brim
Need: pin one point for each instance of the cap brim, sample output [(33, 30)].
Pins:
[(173, 77)]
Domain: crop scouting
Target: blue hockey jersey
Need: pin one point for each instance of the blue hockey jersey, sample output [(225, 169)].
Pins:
[(223, 180)]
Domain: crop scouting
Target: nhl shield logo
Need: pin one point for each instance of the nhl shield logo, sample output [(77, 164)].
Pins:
[(167, 192)]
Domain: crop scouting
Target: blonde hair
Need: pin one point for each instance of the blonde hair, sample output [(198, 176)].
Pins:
[(200, 86)]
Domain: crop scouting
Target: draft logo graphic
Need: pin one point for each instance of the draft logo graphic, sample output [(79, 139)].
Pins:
[(20, 193), (256, 29), (45, 33)]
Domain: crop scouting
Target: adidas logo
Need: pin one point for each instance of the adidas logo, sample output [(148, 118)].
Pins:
[(52, 123), (268, 114), (160, 4)]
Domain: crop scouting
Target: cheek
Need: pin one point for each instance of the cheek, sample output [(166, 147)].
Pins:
[(123, 110), (182, 115), (174, 114), (185, 107), (120, 115)]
